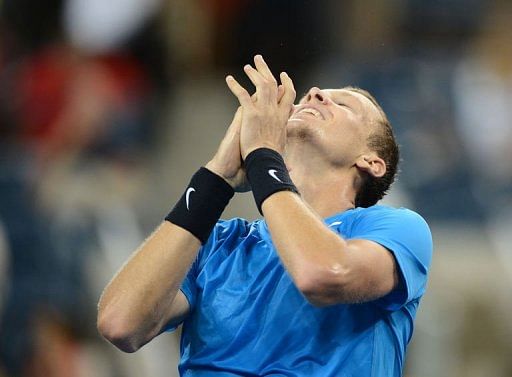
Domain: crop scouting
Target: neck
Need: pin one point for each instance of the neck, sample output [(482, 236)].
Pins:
[(326, 188)]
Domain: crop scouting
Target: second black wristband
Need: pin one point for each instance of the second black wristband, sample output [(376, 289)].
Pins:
[(267, 174)]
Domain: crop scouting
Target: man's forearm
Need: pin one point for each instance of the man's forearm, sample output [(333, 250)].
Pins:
[(326, 268), (140, 298), (309, 250), (144, 294)]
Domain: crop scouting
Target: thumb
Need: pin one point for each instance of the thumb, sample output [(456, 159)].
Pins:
[(289, 90), (236, 123), (280, 92)]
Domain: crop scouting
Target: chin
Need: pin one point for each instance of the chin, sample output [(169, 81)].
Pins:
[(298, 128)]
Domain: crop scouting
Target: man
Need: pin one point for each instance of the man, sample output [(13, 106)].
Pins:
[(322, 286)]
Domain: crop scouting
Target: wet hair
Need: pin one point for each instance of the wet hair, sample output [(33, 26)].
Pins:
[(382, 141)]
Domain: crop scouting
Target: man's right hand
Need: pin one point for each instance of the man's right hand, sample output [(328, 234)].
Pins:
[(227, 162)]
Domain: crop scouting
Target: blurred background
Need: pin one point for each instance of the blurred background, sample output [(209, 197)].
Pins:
[(108, 107)]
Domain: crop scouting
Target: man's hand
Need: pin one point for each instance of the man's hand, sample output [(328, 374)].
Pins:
[(227, 161), (265, 115)]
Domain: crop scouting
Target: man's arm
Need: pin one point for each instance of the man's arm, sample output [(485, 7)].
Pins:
[(144, 295), (325, 267)]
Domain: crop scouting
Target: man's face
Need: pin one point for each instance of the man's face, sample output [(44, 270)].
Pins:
[(336, 121)]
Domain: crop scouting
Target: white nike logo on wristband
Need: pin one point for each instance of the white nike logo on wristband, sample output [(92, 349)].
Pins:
[(272, 173), (187, 195)]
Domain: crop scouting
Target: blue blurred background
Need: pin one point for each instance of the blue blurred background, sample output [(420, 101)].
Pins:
[(108, 107)]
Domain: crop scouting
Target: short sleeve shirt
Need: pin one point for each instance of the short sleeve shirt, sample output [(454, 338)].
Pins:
[(247, 318)]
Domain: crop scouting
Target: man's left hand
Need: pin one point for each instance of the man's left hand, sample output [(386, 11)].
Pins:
[(266, 114)]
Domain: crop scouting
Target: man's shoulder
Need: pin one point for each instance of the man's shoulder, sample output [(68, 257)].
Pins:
[(388, 212), (382, 208), (393, 223), (378, 217)]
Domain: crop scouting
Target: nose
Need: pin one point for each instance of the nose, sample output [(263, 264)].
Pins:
[(315, 94)]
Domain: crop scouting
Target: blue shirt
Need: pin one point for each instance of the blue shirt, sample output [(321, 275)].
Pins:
[(247, 317)]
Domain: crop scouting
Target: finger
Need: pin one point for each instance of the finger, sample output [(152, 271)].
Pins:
[(256, 78), (236, 123), (239, 91), (266, 90), (263, 68), (289, 89), (233, 133), (280, 92)]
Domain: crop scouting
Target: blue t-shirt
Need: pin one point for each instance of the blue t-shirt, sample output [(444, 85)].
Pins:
[(247, 318)]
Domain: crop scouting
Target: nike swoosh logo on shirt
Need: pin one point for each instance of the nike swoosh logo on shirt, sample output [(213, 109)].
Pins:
[(335, 223), (272, 173), (187, 195)]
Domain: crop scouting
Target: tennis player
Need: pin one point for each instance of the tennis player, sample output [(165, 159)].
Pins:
[(327, 283)]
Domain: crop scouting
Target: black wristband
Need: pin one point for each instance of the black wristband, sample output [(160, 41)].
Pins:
[(201, 204), (267, 174)]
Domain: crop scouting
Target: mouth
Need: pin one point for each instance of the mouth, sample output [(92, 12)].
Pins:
[(309, 111)]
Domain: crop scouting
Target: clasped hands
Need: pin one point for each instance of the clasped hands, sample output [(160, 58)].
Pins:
[(259, 122)]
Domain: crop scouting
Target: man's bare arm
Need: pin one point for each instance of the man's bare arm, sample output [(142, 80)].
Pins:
[(326, 268), (144, 295)]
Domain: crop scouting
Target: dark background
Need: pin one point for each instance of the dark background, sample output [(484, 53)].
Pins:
[(107, 108)]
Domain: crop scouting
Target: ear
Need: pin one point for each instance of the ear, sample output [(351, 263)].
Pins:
[(371, 164)]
